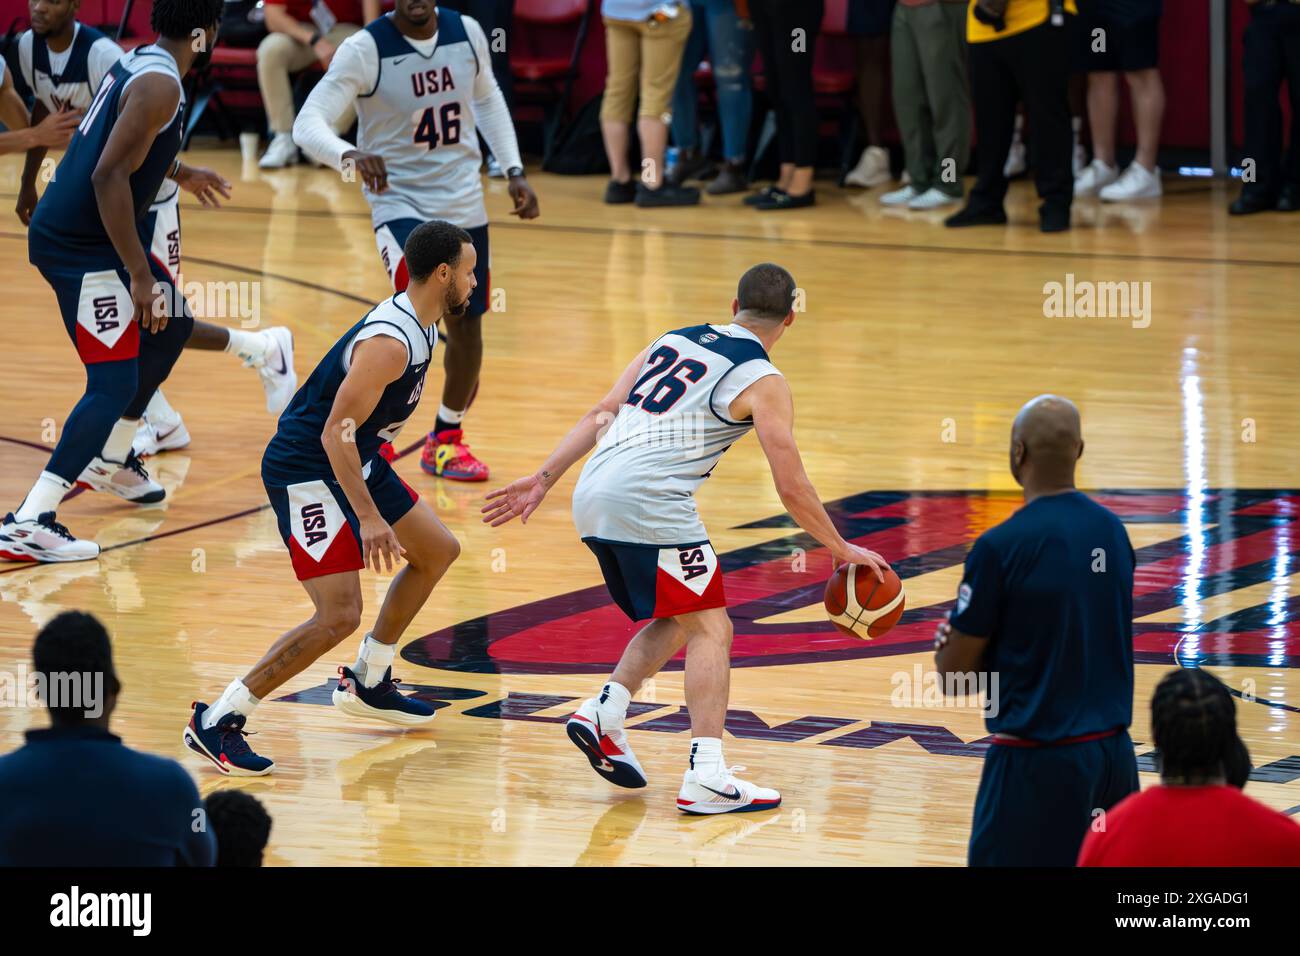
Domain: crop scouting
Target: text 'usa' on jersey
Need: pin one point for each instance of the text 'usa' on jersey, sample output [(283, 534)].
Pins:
[(296, 448), (67, 220)]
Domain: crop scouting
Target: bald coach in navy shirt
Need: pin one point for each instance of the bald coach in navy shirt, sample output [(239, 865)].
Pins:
[(1046, 603), (74, 795)]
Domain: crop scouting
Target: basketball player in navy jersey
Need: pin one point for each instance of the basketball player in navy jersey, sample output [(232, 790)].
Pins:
[(342, 507), (422, 85), (1046, 604), (61, 65), (88, 239)]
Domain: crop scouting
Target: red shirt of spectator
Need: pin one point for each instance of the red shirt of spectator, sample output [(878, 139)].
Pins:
[(1193, 826), (345, 11)]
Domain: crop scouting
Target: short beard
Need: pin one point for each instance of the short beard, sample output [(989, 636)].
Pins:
[(458, 310)]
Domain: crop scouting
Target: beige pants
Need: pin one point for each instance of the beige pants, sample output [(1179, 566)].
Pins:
[(280, 55), (643, 57)]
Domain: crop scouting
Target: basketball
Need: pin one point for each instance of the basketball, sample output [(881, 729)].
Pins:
[(862, 606)]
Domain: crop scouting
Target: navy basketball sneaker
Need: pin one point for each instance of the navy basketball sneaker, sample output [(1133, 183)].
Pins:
[(381, 702), (224, 744)]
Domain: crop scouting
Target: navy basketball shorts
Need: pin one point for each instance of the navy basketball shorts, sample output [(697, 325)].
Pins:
[(1036, 804), (391, 240), (318, 524), (650, 580)]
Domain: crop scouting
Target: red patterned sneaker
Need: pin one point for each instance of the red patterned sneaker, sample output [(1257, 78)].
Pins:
[(387, 451), (447, 456)]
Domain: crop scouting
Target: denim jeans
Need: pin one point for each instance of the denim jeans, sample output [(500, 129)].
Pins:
[(717, 31)]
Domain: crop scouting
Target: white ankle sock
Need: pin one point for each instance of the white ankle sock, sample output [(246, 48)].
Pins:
[(44, 496), (373, 659), (160, 410), (614, 698), (249, 346), (235, 699), (119, 441), (450, 416), (706, 757)]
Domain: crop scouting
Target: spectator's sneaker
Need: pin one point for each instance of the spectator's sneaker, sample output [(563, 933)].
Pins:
[(972, 216), (1288, 199), (932, 198), (126, 479), (153, 437), (763, 195), (784, 200), (281, 152), (872, 168), (447, 456), (1095, 176), (723, 793), (275, 369), (617, 193), (1136, 182), (224, 744), (731, 178), (605, 746), (691, 164), (1248, 204), (1016, 160), (666, 195), (43, 540), (899, 197), (381, 702), (387, 451), (1053, 218)]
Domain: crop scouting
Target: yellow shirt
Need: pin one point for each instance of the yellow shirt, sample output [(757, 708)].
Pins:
[(1021, 15)]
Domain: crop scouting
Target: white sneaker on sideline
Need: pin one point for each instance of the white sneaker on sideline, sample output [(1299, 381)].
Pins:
[(153, 437), (605, 746), (1136, 182), (723, 793), (276, 368), (281, 152), (126, 479), (1094, 177), (872, 168), (932, 198), (1016, 160), (43, 540), (899, 197)]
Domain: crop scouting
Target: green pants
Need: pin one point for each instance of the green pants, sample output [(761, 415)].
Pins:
[(932, 93)]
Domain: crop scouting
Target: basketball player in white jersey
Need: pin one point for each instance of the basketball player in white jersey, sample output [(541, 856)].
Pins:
[(21, 134), (61, 64), (676, 408), (421, 82)]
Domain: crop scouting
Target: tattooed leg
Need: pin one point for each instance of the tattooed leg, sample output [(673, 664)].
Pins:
[(337, 598)]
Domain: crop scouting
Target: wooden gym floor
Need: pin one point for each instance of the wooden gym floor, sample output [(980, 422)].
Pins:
[(916, 348)]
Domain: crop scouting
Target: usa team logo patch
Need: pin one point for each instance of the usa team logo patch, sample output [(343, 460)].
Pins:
[(1213, 586), (106, 327)]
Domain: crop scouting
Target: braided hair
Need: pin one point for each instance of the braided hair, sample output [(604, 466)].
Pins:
[(1194, 721)]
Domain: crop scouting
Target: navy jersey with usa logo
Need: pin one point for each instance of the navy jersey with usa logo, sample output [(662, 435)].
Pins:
[(296, 448), (66, 224)]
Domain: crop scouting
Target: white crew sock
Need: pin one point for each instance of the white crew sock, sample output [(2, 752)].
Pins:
[(706, 757), (613, 701), (44, 496), (160, 410), (235, 699), (249, 346), (373, 660), (449, 416), (119, 441)]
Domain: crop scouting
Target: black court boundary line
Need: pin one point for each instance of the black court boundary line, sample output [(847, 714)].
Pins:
[(735, 237)]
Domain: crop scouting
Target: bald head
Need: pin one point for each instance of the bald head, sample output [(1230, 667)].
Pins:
[(1046, 441)]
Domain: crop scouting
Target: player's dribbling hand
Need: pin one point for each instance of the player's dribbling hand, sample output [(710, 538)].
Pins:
[(518, 499), (203, 183), (524, 197), (149, 302), (379, 541), (855, 555), (942, 634), (374, 174)]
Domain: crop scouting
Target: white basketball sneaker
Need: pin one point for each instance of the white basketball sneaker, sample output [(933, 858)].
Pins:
[(723, 793), (276, 369), (872, 168), (42, 539), (1095, 177), (153, 437), (899, 197), (605, 745), (126, 479)]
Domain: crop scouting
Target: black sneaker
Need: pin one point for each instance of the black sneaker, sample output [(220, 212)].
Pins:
[(691, 164), (764, 194), (1289, 199), (666, 195), (730, 179), (1053, 219), (381, 702), (1248, 204), (974, 216), (616, 192), (783, 200)]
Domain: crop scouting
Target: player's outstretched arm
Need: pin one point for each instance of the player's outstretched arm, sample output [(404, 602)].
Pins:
[(520, 498), (769, 403), (376, 363)]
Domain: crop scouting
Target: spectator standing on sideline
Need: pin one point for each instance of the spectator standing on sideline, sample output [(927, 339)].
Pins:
[(787, 39), (644, 40), (1121, 36), (1046, 606), (242, 827), (73, 795), (1196, 816), (931, 101), (718, 30), (1271, 54), (496, 17), (300, 33), (1018, 51), (868, 23)]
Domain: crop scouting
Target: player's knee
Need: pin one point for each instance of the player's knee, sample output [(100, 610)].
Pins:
[(113, 384), (340, 621), (441, 552)]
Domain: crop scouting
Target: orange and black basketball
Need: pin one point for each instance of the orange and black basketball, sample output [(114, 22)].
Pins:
[(860, 604)]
